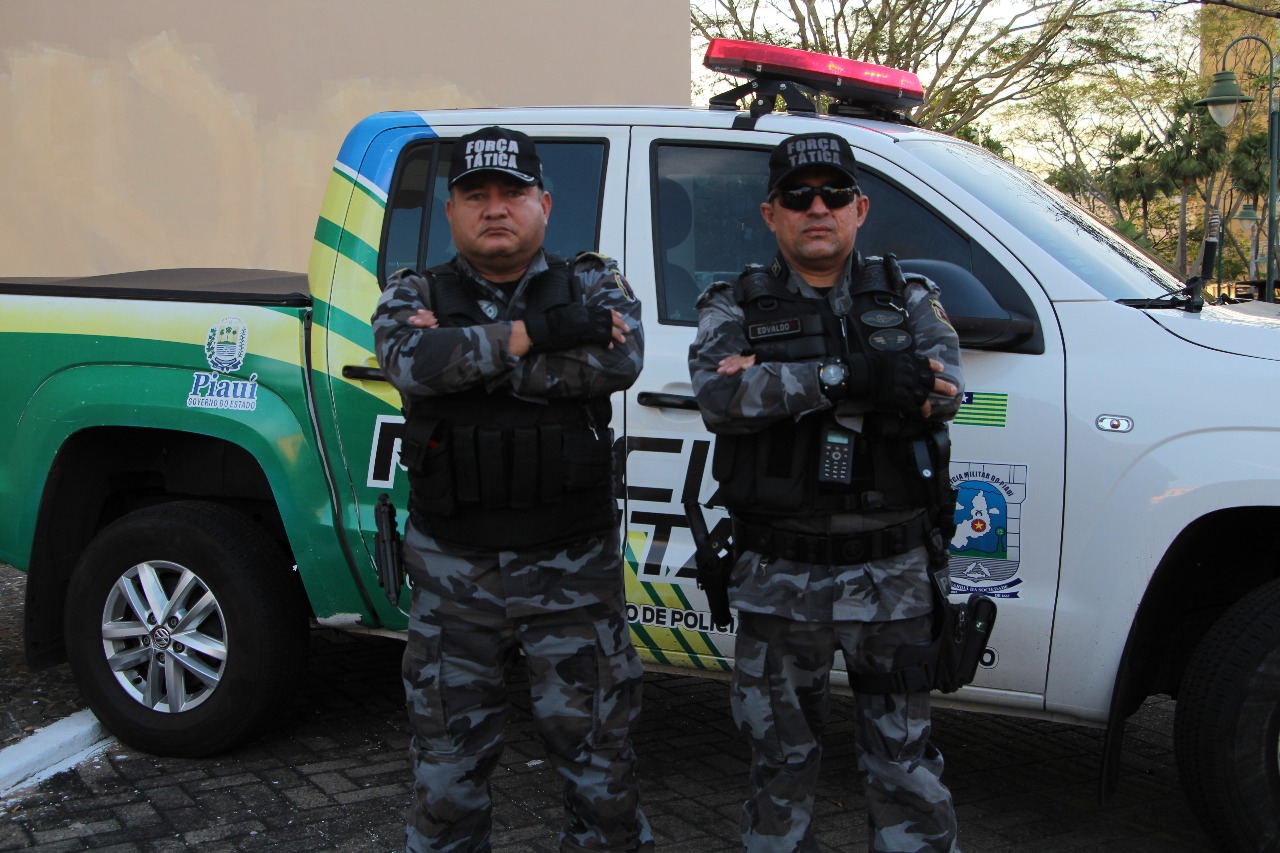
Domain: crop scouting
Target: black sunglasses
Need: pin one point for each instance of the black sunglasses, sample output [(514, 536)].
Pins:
[(801, 198)]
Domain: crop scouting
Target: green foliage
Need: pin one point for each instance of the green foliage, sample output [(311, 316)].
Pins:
[(1129, 144), (1249, 166), (1132, 231), (1194, 146), (1072, 181), (982, 135)]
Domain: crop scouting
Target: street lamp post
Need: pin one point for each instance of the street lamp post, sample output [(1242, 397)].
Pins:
[(1222, 235), (1246, 215), (1223, 99), (1250, 217)]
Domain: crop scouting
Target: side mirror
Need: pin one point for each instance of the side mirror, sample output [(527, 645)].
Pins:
[(979, 320)]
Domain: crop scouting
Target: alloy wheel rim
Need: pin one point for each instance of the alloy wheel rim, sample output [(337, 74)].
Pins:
[(164, 636)]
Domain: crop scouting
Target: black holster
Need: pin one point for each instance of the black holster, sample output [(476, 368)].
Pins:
[(714, 560), (950, 659), (388, 554)]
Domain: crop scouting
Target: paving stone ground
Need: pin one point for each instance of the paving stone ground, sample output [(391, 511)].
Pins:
[(28, 700), (332, 774)]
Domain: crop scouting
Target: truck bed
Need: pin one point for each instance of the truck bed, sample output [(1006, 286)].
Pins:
[(247, 287)]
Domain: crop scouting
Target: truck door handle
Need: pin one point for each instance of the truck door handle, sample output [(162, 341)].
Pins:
[(359, 371), (660, 400)]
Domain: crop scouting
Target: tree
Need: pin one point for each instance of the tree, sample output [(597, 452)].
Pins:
[(1262, 10), (1249, 166), (971, 55), (1249, 169), (1080, 132), (1133, 175), (1130, 137), (1194, 151)]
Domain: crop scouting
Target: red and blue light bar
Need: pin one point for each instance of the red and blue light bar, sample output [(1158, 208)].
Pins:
[(835, 76)]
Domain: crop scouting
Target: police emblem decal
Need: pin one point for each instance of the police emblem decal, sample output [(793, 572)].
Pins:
[(225, 349), (987, 545), (227, 344)]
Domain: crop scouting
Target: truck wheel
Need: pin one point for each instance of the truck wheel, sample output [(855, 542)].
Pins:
[(1227, 725), (185, 628)]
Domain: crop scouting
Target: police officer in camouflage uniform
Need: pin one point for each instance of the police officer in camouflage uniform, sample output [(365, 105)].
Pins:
[(820, 358), (505, 359)]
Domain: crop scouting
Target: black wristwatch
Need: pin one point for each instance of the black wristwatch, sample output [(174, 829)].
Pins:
[(833, 376)]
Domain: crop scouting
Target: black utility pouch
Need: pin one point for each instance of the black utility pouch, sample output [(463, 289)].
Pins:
[(587, 461), (427, 452)]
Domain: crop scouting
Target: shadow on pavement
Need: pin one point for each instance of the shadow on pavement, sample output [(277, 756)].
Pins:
[(332, 773)]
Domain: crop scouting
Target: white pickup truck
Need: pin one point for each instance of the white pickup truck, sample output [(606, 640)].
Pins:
[(1117, 457)]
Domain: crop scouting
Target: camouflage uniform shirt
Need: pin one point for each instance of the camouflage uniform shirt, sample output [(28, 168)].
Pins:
[(758, 397), (445, 360)]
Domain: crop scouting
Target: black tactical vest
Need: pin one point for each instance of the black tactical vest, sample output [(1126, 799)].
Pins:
[(491, 471), (774, 472)]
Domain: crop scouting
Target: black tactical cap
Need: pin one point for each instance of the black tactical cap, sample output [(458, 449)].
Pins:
[(811, 149), (496, 149)]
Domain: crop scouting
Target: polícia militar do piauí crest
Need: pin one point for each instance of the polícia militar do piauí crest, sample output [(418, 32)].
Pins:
[(987, 544)]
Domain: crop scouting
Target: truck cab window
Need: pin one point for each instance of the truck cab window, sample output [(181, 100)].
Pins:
[(406, 208), (707, 225), (899, 224), (417, 230)]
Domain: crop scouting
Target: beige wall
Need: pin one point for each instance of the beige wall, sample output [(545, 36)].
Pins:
[(140, 134)]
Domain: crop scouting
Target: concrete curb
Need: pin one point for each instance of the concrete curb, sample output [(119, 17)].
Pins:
[(50, 750)]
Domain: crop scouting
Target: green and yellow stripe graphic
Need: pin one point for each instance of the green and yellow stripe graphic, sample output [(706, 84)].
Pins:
[(657, 644), (982, 409), (349, 228)]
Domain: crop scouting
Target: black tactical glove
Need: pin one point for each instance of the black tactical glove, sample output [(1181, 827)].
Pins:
[(891, 381), (568, 326)]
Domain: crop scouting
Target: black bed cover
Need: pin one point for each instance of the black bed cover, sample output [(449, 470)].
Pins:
[(246, 287)]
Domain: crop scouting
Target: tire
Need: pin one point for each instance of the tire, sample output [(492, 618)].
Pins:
[(185, 628), (1227, 725)]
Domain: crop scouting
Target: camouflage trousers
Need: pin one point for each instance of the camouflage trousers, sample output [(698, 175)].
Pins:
[(780, 698), (585, 683)]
